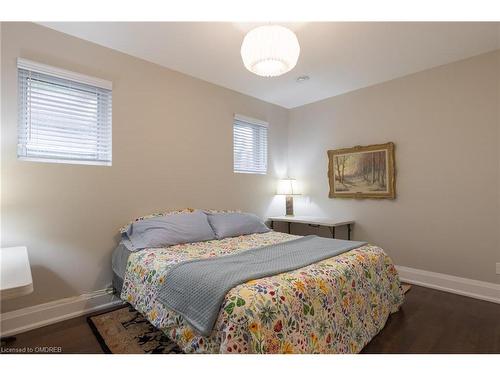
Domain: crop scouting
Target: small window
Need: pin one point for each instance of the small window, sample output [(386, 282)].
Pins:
[(63, 116), (250, 145)]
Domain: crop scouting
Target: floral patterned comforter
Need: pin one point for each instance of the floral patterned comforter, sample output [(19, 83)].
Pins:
[(334, 306)]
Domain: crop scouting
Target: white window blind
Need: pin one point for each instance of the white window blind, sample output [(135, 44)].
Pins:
[(63, 116), (250, 145)]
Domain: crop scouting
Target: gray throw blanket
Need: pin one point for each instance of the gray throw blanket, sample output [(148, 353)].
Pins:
[(196, 289)]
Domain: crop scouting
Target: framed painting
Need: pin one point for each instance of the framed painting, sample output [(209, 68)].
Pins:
[(362, 172)]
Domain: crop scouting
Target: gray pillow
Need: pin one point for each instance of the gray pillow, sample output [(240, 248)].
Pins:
[(168, 230), (235, 224)]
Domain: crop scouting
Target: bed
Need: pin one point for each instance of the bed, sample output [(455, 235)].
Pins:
[(336, 305)]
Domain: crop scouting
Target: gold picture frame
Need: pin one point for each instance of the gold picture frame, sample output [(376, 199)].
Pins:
[(362, 172)]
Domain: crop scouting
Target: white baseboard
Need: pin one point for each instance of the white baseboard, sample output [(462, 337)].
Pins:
[(453, 284), (17, 321)]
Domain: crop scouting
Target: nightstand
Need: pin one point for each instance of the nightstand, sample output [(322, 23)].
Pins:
[(314, 222), (15, 276)]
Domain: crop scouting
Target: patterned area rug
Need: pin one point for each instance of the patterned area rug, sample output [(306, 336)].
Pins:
[(406, 288), (125, 331)]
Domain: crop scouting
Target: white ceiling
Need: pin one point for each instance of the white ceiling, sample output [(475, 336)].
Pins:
[(338, 57)]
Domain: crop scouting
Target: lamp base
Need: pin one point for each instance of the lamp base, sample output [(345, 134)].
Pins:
[(289, 205)]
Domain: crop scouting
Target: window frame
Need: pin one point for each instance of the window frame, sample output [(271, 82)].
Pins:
[(78, 78), (253, 123)]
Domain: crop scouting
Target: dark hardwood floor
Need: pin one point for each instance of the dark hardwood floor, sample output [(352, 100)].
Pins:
[(430, 321)]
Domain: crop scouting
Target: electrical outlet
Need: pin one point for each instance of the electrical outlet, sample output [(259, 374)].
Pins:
[(498, 268)]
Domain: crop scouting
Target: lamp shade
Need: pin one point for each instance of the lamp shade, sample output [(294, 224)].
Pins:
[(270, 50), (288, 186)]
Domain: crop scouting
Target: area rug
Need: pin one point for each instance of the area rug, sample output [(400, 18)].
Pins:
[(406, 288), (126, 331)]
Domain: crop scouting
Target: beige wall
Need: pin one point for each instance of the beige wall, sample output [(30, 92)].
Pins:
[(445, 124), (172, 147)]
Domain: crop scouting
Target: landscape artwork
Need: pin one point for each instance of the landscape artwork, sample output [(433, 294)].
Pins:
[(362, 172)]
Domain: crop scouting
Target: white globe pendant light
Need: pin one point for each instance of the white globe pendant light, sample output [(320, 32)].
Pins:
[(270, 51)]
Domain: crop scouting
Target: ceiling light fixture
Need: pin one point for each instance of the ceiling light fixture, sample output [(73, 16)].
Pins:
[(270, 51)]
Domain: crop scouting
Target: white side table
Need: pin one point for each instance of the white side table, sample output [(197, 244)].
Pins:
[(15, 275), (15, 272)]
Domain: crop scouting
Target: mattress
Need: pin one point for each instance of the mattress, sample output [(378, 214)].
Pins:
[(333, 306), (119, 259)]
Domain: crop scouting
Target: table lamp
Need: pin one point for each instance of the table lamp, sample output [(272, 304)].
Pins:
[(288, 187)]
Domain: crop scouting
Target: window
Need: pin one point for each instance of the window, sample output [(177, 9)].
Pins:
[(250, 145), (63, 116)]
